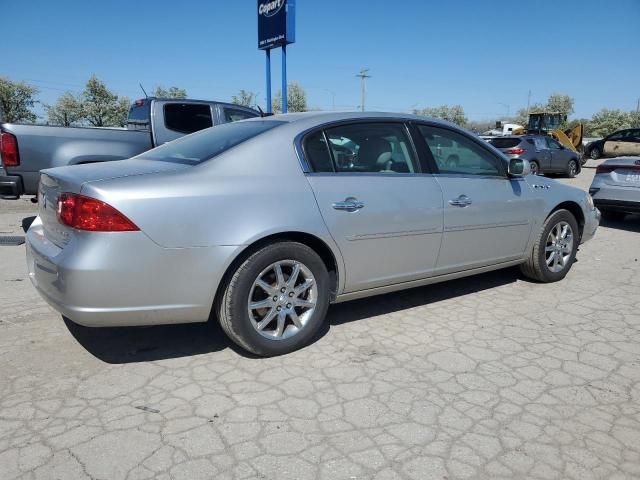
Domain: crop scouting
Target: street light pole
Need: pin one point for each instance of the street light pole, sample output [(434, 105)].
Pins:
[(364, 74)]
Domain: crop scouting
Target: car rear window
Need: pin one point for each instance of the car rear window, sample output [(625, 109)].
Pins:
[(504, 142), (206, 144)]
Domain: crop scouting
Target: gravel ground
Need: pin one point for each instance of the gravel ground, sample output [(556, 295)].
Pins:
[(485, 377)]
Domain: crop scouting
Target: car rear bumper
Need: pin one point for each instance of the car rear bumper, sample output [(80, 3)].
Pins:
[(616, 198), (618, 206), (10, 187), (124, 278)]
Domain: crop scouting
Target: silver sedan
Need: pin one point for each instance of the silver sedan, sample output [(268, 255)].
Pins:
[(263, 223)]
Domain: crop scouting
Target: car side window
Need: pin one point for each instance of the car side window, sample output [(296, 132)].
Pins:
[(371, 148), (617, 136), (187, 117), (540, 144), (454, 153), (317, 153), (553, 144), (235, 114)]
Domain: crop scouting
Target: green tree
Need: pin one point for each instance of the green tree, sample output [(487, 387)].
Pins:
[(608, 121), (67, 110), (296, 99), (16, 101), (245, 98), (454, 114), (101, 107), (559, 102), (171, 92)]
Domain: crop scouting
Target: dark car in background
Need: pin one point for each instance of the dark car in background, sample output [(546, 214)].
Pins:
[(545, 154), (618, 144)]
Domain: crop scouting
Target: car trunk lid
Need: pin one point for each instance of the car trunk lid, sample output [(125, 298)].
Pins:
[(56, 181), (621, 172)]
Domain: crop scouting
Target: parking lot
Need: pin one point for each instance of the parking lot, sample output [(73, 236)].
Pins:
[(486, 377)]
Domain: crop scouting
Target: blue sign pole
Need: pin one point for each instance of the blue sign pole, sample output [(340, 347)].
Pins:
[(284, 78), (268, 80)]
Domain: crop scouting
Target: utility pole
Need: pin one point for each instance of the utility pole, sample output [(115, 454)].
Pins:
[(364, 74), (528, 102)]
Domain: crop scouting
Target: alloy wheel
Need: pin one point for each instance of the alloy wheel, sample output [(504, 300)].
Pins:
[(282, 299), (559, 247)]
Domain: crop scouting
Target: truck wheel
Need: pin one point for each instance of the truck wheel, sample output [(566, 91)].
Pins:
[(276, 300), (555, 248)]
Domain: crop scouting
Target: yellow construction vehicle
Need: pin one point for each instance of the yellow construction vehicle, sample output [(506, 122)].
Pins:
[(548, 123)]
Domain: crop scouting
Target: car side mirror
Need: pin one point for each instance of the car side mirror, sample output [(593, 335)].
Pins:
[(518, 167)]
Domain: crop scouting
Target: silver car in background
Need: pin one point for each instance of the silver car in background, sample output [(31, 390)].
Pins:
[(616, 187), (263, 223)]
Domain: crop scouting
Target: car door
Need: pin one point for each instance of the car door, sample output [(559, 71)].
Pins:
[(384, 214), (633, 142), (487, 216), (560, 155), (543, 153), (616, 144)]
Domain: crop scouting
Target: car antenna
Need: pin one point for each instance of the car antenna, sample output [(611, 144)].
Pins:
[(144, 91), (262, 113)]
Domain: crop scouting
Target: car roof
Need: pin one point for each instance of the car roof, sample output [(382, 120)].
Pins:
[(306, 120)]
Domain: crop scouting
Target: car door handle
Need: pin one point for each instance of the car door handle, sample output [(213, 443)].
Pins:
[(348, 205), (461, 201)]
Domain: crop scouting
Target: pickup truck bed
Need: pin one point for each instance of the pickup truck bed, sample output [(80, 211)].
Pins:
[(49, 146)]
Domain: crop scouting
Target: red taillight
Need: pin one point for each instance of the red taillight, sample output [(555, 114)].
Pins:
[(610, 167), (85, 213), (9, 150), (515, 151)]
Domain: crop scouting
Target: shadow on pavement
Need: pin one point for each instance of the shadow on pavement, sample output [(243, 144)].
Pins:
[(630, 223), (141, 344), (405, 299)]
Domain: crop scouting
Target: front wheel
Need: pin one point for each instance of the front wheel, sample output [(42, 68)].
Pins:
[(572, 168), (555, 248), (595, 153), (276, 299)]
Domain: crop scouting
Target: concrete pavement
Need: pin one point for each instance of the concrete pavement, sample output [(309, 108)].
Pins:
[(485, 377)]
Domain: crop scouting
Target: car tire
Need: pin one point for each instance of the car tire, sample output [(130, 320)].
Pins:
[(572, 168), (535, 167), (271, 330), (538, 266), (595, 153), (612, 216)]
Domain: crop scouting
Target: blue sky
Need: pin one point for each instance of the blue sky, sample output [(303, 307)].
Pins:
[(484, 55)]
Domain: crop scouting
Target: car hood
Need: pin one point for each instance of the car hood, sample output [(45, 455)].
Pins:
[(71, 178)]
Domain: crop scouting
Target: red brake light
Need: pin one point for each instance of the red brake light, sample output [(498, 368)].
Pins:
[(9, 150), (515, 151), (85, 213)]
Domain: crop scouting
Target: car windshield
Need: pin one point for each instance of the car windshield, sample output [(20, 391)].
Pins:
[(206, 144)]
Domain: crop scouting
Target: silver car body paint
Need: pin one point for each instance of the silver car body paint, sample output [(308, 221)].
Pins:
[(196, 220)]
